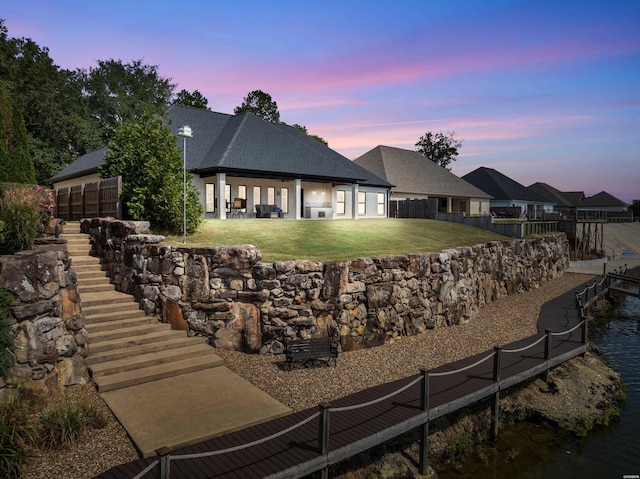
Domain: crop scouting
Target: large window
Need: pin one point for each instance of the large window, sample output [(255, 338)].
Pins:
[(271, 195), (284, 200), (340, 202), (227, 196), (381, 202), (210, 197), (362, 203), (256, 196)]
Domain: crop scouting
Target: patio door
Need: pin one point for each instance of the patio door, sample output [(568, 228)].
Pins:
[(301, 203)]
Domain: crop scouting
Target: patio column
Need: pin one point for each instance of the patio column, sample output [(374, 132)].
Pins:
[(297, 198), (221, 183), (449, 204), (354, 200)]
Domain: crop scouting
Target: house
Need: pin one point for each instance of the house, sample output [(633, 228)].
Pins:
[(254, 167), (510, 198), (603, 201), (415, 177)]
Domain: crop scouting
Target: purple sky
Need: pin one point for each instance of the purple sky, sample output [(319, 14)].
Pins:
[(539, 90)]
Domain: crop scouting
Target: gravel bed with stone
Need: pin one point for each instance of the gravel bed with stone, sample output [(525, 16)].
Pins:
[(501, 322)]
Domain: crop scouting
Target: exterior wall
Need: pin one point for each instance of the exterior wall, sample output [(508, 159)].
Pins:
[(238, 302)]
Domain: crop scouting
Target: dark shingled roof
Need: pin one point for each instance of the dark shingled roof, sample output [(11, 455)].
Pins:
[(246, 145), (501, 187), (412, 173), (561, 198), (602, 199)]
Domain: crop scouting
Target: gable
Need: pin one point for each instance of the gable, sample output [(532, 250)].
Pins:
[(412, 173), (500, 186)]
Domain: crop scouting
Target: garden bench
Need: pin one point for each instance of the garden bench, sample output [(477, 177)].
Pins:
[(308, 350)]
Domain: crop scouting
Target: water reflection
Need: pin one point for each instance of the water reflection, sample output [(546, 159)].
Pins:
[(529, 451)]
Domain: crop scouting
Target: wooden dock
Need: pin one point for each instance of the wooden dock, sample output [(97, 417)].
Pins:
[(312, 440)]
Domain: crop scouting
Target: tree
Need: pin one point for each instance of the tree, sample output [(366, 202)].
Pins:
[(195, 99), (117, 92), (56, 116), (260, 104), (304, 130), (145, 153), (439, 148), (17, 165), (635, 208)]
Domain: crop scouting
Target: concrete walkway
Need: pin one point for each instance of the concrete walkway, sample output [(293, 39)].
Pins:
[(190, 408)]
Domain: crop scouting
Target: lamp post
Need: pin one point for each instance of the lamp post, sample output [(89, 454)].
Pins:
[(185, 132)]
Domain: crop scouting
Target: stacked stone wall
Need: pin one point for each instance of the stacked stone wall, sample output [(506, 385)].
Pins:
[(46, 318), (239, 302)]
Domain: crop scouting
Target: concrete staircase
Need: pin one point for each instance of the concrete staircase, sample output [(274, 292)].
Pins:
[(127, 347)]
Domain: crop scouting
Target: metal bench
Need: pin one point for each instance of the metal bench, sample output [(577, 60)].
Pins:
[(309, 350)]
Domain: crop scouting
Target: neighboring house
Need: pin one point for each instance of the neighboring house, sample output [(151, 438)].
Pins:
[(416, 177), (510, 198), (241, 161), (603, 201)]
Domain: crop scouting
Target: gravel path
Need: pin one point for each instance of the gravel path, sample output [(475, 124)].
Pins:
[(500, 322)]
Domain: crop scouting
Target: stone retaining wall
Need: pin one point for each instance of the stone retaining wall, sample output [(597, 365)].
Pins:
[(239, 302), (46, 318)]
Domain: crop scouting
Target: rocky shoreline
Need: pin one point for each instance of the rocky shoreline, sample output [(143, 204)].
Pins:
[(503, 321)]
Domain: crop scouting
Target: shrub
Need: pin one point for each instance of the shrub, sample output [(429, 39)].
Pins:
[(62, 422), (18, 430), (25, 212)]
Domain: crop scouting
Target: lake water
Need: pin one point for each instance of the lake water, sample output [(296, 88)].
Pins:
[(529, 451)]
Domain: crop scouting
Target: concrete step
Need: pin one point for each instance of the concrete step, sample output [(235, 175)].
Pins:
[(124, 308), (114, 316), (122, 323), (96, 288), (158, 337), (93, 280), (153, 373), (113, 297), (92, 261), (146, 360), (72, 227), (175, 341), (139, 330), (88, 274)]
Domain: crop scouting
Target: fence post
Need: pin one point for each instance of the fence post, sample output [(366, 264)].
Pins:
[(324, 435), (165, 462), (547, 353), (495, 410), (585, 334), (424, 429)]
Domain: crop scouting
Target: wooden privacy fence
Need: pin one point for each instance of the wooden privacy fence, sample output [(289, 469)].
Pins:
[(96, 199)]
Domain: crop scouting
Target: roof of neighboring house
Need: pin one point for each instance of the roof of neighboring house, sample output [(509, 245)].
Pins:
[(412, 173), (501, 187), (246, 145), (603, 199), (84, 165), (561, 198), (574, 197)]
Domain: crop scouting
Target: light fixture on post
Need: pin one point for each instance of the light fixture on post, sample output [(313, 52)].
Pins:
[(185, 132)]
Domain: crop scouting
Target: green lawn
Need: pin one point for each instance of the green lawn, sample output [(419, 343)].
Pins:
[(334, 240)]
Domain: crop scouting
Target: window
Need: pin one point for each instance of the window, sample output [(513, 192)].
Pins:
[(227, 196), (381, 198), (284, 200), (256, 195), (362, 203), (210, 197), (242, 193), (340, 202), (271, 195)]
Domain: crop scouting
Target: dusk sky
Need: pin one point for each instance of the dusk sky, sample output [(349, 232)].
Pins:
[(539, 90)]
